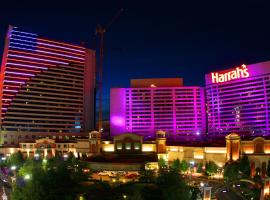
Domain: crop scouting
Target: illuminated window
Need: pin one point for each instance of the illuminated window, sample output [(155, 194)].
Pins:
[(137, 146), (128, 145), (119, 146)]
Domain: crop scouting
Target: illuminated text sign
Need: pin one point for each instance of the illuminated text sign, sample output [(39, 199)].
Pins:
[(239, 72)]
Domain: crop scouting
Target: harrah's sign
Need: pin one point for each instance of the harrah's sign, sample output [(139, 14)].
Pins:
[(239, 72)]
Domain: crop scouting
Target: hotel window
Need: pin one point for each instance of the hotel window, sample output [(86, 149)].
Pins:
[(119, 146), (128, 146)]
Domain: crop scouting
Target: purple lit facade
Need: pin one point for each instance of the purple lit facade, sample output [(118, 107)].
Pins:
[(180, 111), (46, 88), (241, 104)]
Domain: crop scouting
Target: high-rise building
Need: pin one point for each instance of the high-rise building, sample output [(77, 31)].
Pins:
[(158, 104), (46, 88), (238, 100)]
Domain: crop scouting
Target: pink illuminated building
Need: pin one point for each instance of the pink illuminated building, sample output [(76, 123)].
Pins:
[(158, 104), (238, 100), (46, 88)]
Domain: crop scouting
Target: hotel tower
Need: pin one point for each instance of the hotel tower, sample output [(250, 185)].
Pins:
[(238, 100), (46, 88), (165, 104)]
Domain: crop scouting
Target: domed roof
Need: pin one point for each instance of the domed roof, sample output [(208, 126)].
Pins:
[(232, 135)]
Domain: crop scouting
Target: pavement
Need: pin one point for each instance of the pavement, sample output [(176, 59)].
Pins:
[(228, 195)]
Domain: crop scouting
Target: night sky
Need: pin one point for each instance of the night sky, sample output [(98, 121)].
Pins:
[(153, 39)]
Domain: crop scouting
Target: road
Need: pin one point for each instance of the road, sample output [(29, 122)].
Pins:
[(229, 195)]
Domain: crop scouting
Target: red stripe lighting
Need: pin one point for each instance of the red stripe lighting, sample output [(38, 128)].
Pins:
[(61, 43)]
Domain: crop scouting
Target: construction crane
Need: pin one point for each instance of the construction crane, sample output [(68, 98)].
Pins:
[(100, 32)]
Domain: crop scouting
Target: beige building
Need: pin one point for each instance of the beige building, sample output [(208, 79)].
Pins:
[(257, 149)]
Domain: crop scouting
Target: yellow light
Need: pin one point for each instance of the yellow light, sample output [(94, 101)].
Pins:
[(147, 148), (249, 151), (174, 149), (198, 156), (215, 150), (108, 148)]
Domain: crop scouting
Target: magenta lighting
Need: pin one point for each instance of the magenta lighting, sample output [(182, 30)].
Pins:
[(238, 100), (179, 110), (46, 88)]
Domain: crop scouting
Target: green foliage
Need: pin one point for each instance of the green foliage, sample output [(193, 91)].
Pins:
[(268, 168), (147, 176), (27, 167), (211, 168), (100, 191), (33, 189), (15, 159), (176, 165), (161, 163), (200, 168), (183, 166), (62, 180), (58, 180), (172, 186), (244, 166), (231, 171)]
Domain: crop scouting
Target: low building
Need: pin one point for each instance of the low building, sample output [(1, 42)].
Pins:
[(129, 151)]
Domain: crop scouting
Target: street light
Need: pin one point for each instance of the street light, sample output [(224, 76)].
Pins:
[(27, 177), (201, 184), (36, 156)]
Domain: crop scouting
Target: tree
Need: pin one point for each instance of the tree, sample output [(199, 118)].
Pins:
[(176, 165), (211, 168), (147, 176), (200, 168), (57, 181), (184, 166), (32, 189), (231, 171), (161, 163), (268, 168), (27, 167), (15, 159), (244, 166), (172, 186)]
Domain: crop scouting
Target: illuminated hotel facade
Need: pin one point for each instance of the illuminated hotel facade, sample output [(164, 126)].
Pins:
[(158, 104), (46, 88), (238, 100)]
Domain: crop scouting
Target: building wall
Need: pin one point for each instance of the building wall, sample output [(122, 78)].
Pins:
[(156, 82), (197, 154), (180, 111), (44, 89), (239, 105)]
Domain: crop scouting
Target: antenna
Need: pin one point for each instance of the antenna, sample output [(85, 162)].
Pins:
[(100, 31)]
